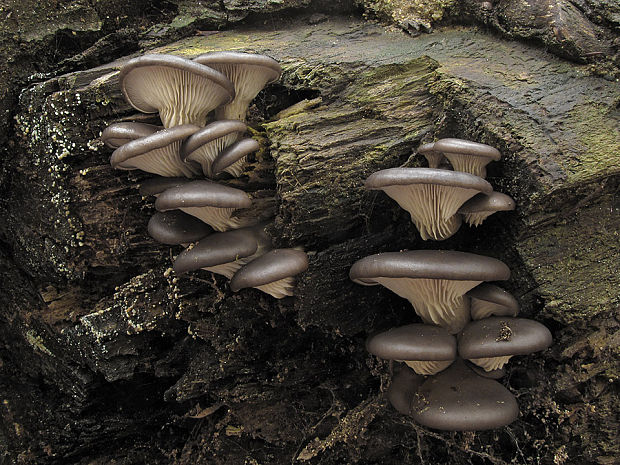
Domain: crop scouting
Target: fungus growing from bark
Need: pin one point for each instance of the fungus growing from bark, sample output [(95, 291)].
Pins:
[(489, 343), (118, 134), (181, 90), (155, 186), (273, 273), (211, 202), (225, 252), (233, 159), (175, 227), (490, 300), (434, 281), (249, 72), (157, 153), (480, 207), (206, 144), (402, 389), (431, 196), (457, 399), (467, 156), (432, 156), (426, 349)]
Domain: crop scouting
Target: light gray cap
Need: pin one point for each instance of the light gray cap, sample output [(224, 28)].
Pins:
[(271, 267), (234, 153), (202, 193), (466, 147), (491, 202), (241, 58), (408, 176), (118, 134)]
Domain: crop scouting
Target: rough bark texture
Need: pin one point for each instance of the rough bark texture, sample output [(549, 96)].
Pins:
[(107, 357)]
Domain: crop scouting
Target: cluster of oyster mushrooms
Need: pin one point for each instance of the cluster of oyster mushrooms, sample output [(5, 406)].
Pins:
[(202, 104), (470, 330)]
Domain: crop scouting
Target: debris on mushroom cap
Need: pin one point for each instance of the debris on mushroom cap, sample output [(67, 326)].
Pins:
[(272, 273), (157, 153), (181, 90), (175, 227), (467, 156), (155, 186), (426, 349), (457, 399), (211, 202), (489, 343), (431, 196), (233, 159), (402, 389), (207, 143), (432, 156), (249, 72), (491, 300), (225, 252), (118, 134), (479, 208), (434, 281)]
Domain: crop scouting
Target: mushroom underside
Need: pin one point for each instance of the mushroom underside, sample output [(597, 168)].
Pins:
[(164, 161), (206, 154), (280, 288), (428, 367), (219, 219), (491, 363), (469, 163), (483, 309), (228, 269), (477, 218)]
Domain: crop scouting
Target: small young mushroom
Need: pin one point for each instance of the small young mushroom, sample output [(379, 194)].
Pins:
[(432, 156), (402, 389), (157, 153), (431, 196), (118, 134), (206, 144), (434, 281), (249, 72), (233, 159), (175, 227), (273, 273), (211, 202), (467, 156), (489, 343), (457, 399), (480, 207), (426, 349), (225, 252), (158, 184), (491, 300)]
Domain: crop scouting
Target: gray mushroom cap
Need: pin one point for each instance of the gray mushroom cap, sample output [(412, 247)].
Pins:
[(432, 156), (271, 267), (155, 186), (273, 68), (402, 389), (118, 134), (415, 342), (466, 147), (407, 176), (175, 227), (502, 336), (459, 400), (202, 193), (233, 154), (491, 202), (492, 300), (211, 132)]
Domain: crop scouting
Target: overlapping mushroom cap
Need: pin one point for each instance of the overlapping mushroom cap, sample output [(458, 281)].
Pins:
[(157, 153), (249, 72), (432, 156), (158, 184), (431, 196), (457, 399), (273, 273), (467, 156), (480, 207), (118, 134), (233, 159), (426, 349), (489, 343), (175, 227), (211, 202), (181, 90), (490, 300), (206, 144), (402, 390), (434, 281)]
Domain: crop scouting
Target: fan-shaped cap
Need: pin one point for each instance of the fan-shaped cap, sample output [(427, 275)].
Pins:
[(402, 389), (158, 184), (466, 147), (489, 299), (432, 156), (233, 154), (459, 400), (491, 202), (202, 193), (271, 267), (181, 90), (211, 132), (501, 336), (118, 134), (175, 227), (271, 68), (413, 342), (406, 176)]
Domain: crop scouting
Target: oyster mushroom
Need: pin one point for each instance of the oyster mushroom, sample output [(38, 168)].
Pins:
[(118, 134), (155, 186), (233, 159), (434, 281), (491, 342), (402, 389), (431, 196), (211, 202), (273, 273), (467, 156), (490, 300), (480, 207), (175, 227), (249, 73), (181, 90), (426, 349), (206, 144), (432, 156)]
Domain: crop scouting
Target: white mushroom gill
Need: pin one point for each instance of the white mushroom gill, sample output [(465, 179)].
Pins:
[(432, 207), (164, 161), (476, 219), (437, 301), (429, 367), (469, 163), (208, 152), (482, 309), (280, 288), (434, 159), (249, 80), (236, 169), (219, 219), (491, 363), (228, 269)]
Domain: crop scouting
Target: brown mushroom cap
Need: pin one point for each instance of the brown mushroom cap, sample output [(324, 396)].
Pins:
[(175, 227), (467, 156), (157, 153), (490, 300), (402, 389), (459, 400), (232, 160), (181, 90), (155, 186), (480, 207), (431, 196), (118, 134), (413, 342)]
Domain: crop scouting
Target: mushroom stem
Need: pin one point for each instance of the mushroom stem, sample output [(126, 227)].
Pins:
[(491, 363), (428, 367), (434, 159)]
